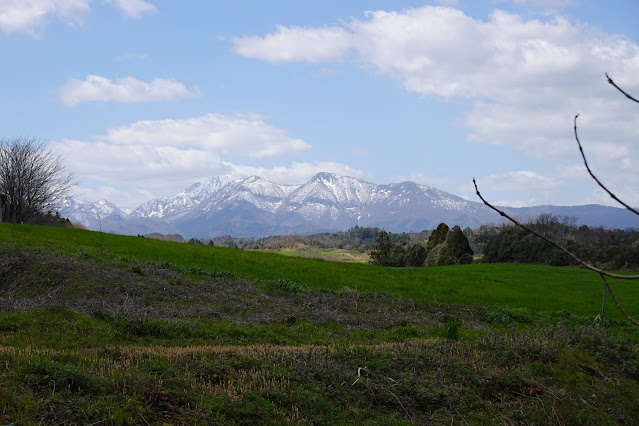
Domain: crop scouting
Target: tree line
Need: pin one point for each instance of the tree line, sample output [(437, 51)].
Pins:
[(444, 246), (608, 248), (358, 238)]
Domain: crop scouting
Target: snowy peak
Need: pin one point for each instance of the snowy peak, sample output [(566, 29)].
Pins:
[(192, 196), (328, 188), (101, 208), (92, 214), (258, 186), (202, 190), (154, 208), (255, 207)]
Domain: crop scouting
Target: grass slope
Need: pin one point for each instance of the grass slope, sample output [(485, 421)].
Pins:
[(105, 329), (537, 287)]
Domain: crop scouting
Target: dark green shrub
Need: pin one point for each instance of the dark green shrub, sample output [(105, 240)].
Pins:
[(451, 329), (45, 372)]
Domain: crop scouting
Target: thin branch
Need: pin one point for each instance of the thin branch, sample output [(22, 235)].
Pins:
[(620, 89), (623, 311), (595, 177), (560, 247)]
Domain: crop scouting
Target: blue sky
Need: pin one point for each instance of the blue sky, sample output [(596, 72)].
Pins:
[(145, 97)]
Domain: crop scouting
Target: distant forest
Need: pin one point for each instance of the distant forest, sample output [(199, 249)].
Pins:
[(607, 248), (359, 239)]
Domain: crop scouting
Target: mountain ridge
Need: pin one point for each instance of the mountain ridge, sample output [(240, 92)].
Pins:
[(251, 206)]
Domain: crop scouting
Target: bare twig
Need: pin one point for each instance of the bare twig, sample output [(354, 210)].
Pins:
[(623, 311), (620, 89), (560, 247), (595, 177)]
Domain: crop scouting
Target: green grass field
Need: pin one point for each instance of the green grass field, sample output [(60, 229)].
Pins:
[(335, 255), (537, 287), (105, 329)]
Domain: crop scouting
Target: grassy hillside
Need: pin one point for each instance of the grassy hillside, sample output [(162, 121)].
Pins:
[(99, 328), (537, 287)]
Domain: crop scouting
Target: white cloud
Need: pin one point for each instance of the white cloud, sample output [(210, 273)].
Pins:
[(443, 52), (525, 78), (129, 175), (298, 172), (599, 196), (133, 8), (525, 180), (437, 180), (148, 159), (246, 135), (296, 44), (28, 16), (127, 90), (140, 172)]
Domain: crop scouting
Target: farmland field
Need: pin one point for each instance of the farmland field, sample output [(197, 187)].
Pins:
[(100, 328)]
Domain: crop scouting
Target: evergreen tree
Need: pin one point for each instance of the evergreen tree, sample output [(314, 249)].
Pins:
[(437, 237), (448, 247), (382, 253), (456, 249), (416, 256)]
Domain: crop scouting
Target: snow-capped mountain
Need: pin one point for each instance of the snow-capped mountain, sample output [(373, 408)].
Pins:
[(254, 207), (190, 197), (93, 215)]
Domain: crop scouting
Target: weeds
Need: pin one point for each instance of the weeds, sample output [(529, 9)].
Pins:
[(289, 286), (451, 329), (506, 316), (122, 339), (192, 270)]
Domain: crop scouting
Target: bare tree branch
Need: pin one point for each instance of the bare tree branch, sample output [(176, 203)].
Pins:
[(560, 247), (587, 265), (620, 89), (595, 177), (623, 311)]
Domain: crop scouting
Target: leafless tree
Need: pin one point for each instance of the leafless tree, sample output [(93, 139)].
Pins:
[(33, 179), (603, 273)]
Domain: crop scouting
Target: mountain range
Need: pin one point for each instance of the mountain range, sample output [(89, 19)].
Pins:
[(251, 206)]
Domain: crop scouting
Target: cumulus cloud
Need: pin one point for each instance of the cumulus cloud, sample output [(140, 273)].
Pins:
[(296, 44), (443, 52), (28, 16), (127, 90), (147, 159), (133, 8), (525, 78), (298, 172), (246, 135), (140, 172)]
